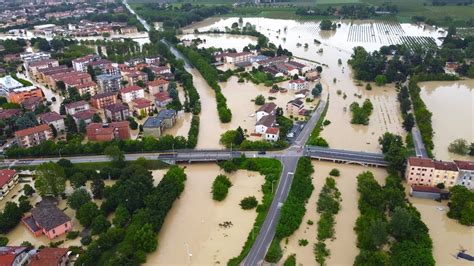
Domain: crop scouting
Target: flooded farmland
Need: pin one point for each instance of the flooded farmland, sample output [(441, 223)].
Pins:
[(326, 50), (224, 41), (192, 225), (343, 248), (452, 105)]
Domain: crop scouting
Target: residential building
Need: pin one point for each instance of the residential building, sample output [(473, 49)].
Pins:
[(109, 82), (152, 60), (101, 100), (271, 61), (8, 179), (15, 256), (4, 114), (233, 58), (34, 67), (131, 93), (75, 107), (28, 57), (312, 75), (298, 84), (107, 132), (50, 257), (53, 118), (33, 136), (162, 99), (8, 84), (168, 117), (81, 63), (32, 103), (272, 134), (287, 69), (265, 123), (21, 94), (266, 109), (45, 73), (154, 126), (157, 85), (302, 68), (160, 70), (466, 174), (117, 112), (445, 173), (85, 116), (419, 171), (273, 71), (46, 218), (87, 88), (134, 76), (142, 106), (295, 107)]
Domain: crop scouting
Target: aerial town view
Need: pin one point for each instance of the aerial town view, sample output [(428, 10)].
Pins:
[(237, 132)]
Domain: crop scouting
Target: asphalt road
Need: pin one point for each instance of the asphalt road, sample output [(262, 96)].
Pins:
[(365, 158), (420, 149)]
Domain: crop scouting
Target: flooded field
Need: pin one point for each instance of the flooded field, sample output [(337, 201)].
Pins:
[(343, 248), (447, 234), (452, 105), (224, 41), (293, 35), (192, 225)]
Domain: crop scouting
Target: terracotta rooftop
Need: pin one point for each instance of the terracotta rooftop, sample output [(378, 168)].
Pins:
[(421, 162), (465, 165), (42, 62), (48, 256), (141, 103), (9, 253), (267, 108), (6, 175), (31, 130), (272, 130), (50, 117), (297, 81), (74, 105), (162, 96), (84, 115), (237, 54), (106, 129), (118, 107), (130, 89), (446, 166), (158, 82), (4, 114), (103, 95)]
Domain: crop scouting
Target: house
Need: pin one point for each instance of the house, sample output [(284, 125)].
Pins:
[(157, 85), (87, 87), (168, 117), (8, 179), (298, 84), (85, 116), (101, 100), (302, 68), (54, 119), (109, 82), (266, 109), (312, 75), (273, 71), (154, 126), (162, 99), (81, 63), (142, 106), (75, 107), (34, 67), (33, 136), (152, 60), (233, 58), (294, 107), (445, 173), (134, 76), (46, 218), (272, 134), (8, 83), (131, 93), (287, 69), (19, 95), (117, 112), (466, 174), (160, 70), (13, 256), (426, 192), (301, 94), (271, 61), (107, 132), (264, 123), (50, 257), (4, 114), (419, 171)]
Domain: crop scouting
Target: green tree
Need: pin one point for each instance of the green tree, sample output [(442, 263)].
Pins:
[(116, 155), (461, 204), (260, 100), (96, 118), (50, 179), (97, 188), (459, 146), (316, 91), (78, 198), (290, 261), (325, 24), (274, 252), (335, 172), (28, 190), (220, 187), (248, 203), (408, 122), (380, 80), (121, 216), (78, 180), (99, 225), (87, 212), (145, 239), (133, 124), (368, 87), (54, 130), (239, 137)]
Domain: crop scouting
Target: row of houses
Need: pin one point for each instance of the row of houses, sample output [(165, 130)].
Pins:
[(266, 124), (429, 172), (83, 29), (19, 255)]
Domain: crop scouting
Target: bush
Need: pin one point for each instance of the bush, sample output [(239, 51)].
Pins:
[(28, 190), (72, 235), (3, 241), (335, 172), (260, 100), (248, 203), (302, 242), (360, 115), (220, 187), (274, 252), (290, 261)]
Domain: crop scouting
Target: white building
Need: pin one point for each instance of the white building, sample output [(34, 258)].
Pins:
[(8, 84), (272, 134), (53, 118), (76, 107), (266, 109), (8, 179), (298, 84), (264, 123), (466, 174), (131, 93)]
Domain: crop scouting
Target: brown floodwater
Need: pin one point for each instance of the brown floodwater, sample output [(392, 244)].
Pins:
[(338, 45), (452, 105), (447, 234), (192, 225), (343, 248)]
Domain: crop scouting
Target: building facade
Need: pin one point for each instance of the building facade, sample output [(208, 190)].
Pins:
[(33, 136)]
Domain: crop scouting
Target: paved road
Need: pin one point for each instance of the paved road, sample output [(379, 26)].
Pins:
[(364, 158), (420, 149)]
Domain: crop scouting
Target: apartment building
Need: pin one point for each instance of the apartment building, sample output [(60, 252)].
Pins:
[(75, 107), (466, 174), (53, 118), (33, 136), (101, 100), (21, 94), (109, 82), (107, 132), (131, 93), (8, 179), (298, 84)]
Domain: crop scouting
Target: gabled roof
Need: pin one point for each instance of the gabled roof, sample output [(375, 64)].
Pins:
[(48, 256), (268, 121), (6, 175), (131, 89), (465, 165), (166, 113), (426, 189), (162, 96), (9, 253), (118, 107), (420, 162), (103, 95), (50, 117), (273, 130), (267, 108), (158, 82), (84, 115), (74, 105), (446, 166), (48, 215), (141, 103), (32, 130)]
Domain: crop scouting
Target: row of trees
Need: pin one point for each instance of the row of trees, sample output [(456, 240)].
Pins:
[(140, 210), (328, 205), (422, 115), (405, 107), (461, 205), (294, 208), (361, 114), (385, 214), (315, 138), (211, 75)]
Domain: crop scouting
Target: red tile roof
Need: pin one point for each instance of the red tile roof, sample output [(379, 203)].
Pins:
[(50, 117), (31, 130), (84, 115), (6, 175), (162, 96), (297, 81), (8, 254), (465, 165), (74, 105), (48, 256), (447, 166), (130, 89), (4, 114), (421, 162), (141, 103), (273, 130), (158, 82), (103, 95)]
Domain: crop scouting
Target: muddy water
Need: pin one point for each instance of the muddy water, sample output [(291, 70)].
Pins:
[(452, 105), (447, 234), (336, 45), (192, 225), (343, 248), (224, 41)]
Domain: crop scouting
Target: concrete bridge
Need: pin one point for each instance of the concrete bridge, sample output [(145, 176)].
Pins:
[(346, 157)]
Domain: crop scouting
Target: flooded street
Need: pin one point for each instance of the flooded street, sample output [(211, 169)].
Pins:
[(343, 249), (192, 225), (447, 234), (336, 45), (452, 105)]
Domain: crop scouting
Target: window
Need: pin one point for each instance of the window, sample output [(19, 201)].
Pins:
[(54, 232)]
